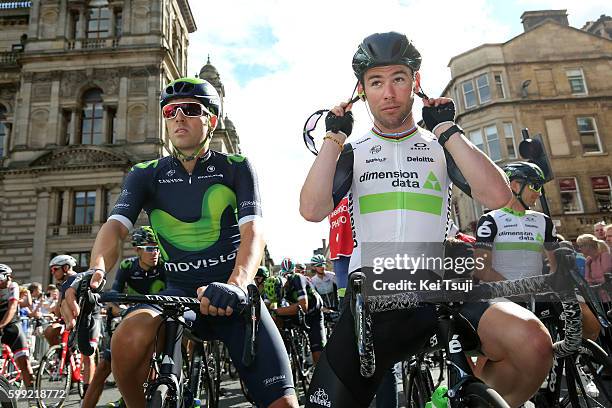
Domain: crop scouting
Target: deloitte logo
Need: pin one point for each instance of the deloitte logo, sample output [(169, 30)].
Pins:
[(320, 397)]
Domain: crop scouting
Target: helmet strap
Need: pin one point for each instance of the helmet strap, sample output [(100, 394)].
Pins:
[(519, 195), (183, 157)]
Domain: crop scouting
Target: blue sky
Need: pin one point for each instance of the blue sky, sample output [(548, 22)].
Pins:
[(282, 60)]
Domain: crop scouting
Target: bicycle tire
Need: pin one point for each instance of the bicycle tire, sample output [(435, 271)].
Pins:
[(479, 395), (302, 375), (592, 357), (5, 400), (418, 384), (214, 372), (48, 375), (159, 398)]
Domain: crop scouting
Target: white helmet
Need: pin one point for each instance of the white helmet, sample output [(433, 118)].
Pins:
[(5, 269), (61, 260)]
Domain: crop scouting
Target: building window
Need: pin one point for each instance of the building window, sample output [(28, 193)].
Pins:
[(484, 92), (60, 207), (118, 22), (3, 129), (588, 135), (82, 259), (111, 114), (476, 138), (73, 25), (499, 85), (93, 115), (66, 126), (602, 192), (84, 207), (576, 81), (469, 96), (557, 138), (108, 205), (571, 202), (493, 142), (510, 141), (98, 20)]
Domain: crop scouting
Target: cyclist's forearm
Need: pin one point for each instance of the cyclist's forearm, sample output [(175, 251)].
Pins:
[(105, 251), (488, 182), (316, 201), (249, 254)]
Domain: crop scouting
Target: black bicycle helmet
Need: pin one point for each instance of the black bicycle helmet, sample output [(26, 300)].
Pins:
[(529, 172), (262, 272), (143, 236), (195, 88), (383, 49)]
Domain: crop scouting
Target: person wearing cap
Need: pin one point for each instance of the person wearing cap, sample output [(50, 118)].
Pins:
[(11, 332), (205, 209), (398, 178)]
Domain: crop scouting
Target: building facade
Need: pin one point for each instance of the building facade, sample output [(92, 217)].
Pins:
[(556, 81), (79, 105)]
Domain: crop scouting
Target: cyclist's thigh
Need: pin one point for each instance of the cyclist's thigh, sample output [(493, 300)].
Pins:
[(269, 377), (473, 311), (397, 334), (94, 333), (316, 333), (16, 340)]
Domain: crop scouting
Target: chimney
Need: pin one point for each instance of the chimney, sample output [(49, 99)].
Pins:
[(531, 19)]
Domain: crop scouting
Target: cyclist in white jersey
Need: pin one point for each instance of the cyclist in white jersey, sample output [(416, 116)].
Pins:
[(324, 282), (398, 177), (512, 240)]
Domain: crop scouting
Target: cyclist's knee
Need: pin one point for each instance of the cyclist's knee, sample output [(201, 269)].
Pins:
[(537, 346), (590, 325), (134, 337), (287, 401)]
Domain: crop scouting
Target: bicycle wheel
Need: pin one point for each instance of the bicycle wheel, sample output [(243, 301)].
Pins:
[(300, 352), (5, 400), (418, 383), (160, 398), (594, 362), (479, 395), (12, 373), (53, 379)]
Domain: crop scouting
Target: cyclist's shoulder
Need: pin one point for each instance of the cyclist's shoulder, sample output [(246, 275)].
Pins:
[(148, 170), (230, 159), (128, 263), (536, 214)]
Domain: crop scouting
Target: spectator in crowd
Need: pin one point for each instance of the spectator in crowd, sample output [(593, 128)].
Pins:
[(609, 235), (599, 230), (580, 259), (598, 258)]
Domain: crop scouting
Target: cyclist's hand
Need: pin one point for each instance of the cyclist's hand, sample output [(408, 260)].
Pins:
[(438, 111), (70, 308), (339, 120), (220, 299)]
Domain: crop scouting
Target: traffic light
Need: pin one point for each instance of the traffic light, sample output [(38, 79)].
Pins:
[(532, 150)]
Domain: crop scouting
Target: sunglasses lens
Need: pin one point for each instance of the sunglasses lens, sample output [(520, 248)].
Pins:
[(149, 248), (309, 127), (189, 109), (536, 187)]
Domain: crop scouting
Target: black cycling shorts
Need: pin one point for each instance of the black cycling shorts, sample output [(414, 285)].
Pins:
[(269, 376), (13, 336), (398, 334), (316, 334)]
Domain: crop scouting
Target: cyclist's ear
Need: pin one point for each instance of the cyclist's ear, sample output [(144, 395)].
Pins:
[(361, 92), (213, 120), (417, 82)]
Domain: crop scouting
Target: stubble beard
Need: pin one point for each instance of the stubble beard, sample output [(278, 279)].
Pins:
[(395, 123)]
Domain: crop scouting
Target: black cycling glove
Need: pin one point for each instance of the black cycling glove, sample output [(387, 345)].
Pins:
[(337, 124), (222, 295), (434, 115)]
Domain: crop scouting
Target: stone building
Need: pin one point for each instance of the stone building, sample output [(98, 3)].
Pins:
[(556, 81), (79, 105)]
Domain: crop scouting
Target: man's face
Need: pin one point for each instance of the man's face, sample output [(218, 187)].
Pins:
[(4, 281), (599, 231), (529, 195), (389, 92), (319, 270), (185, 132), (609, 236), (58, 272), (148, 254), (259, 280)]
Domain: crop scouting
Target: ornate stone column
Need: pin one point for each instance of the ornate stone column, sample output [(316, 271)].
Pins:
[(39, 251)]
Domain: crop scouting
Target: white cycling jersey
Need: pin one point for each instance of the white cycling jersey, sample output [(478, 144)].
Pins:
[(517, 239), (399, 191), (325, 284)]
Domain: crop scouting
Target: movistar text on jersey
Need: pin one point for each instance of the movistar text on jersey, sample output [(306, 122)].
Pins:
[(410, 263), (200, 263)]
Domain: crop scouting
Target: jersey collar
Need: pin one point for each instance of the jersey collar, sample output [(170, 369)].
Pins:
[(395, 137), (513, 212)]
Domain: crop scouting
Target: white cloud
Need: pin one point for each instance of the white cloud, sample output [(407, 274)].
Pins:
[(310, 69)]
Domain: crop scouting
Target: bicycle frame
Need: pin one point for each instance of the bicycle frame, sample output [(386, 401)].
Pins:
[(66, 353), (9, 358)]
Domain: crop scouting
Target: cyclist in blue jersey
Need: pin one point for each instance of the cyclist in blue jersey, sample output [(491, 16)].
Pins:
[(299, 292), (204, 207), (398, 179), (139, 275)]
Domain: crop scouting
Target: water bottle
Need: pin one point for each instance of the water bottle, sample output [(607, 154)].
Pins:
[(438, 398)]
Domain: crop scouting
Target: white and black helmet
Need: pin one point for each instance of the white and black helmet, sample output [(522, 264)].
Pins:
[(62, 260), (5, 269)]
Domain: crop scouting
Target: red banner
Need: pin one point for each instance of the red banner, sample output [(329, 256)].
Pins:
[(340, 234), (600, 183), (567, 184)]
